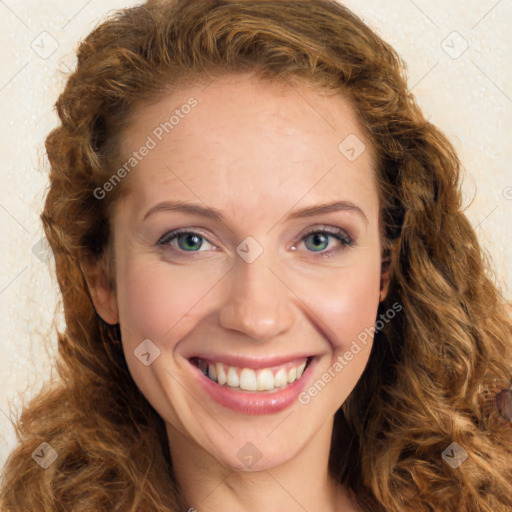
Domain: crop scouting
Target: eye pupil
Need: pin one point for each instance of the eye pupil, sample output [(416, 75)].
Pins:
[(319, 238), (196, 240)]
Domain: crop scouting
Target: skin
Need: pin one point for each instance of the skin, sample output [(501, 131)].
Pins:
[(256, 151)]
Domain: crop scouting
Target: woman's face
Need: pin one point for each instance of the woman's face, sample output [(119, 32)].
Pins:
[(256, 291)]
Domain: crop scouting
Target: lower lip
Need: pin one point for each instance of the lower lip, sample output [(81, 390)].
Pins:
[(255, 402)]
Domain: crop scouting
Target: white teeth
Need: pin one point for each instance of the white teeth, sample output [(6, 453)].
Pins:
[(211, 372), (265, 380), (280, 378), (221, 375), (233, 380), (248, 380)]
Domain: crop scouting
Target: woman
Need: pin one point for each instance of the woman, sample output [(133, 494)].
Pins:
[(213, 357)]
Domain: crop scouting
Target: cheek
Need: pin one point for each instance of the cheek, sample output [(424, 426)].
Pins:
[(347, 303), (157, 299), (162, 301)]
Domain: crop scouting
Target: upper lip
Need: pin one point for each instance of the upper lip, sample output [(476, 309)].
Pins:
[(253, 362)]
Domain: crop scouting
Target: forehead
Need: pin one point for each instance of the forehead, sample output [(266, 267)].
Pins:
[(240, 140)]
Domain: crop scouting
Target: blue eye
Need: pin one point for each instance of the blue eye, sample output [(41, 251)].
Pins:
[(320, 239), (188, 241), (191, 241)]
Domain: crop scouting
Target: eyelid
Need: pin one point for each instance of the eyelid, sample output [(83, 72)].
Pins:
[(183, 231), (331, 230)]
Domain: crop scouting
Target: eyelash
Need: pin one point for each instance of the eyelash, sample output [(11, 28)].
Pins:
[(339, 234)]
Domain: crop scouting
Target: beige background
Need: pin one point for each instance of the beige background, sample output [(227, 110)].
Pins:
[(459, 66)]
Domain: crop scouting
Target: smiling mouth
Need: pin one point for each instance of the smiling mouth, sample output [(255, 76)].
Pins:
[(274, 378)]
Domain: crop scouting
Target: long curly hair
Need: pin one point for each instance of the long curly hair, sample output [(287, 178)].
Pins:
[(433, 370)]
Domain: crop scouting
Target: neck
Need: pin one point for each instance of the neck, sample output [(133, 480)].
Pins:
[(301, 483)]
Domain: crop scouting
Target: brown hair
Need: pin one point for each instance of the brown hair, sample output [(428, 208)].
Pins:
[(433, 369)]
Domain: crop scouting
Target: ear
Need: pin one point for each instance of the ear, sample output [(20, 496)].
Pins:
[(388, 256), (99, 282)]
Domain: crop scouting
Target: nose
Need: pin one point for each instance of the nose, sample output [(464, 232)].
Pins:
[(258, 303)]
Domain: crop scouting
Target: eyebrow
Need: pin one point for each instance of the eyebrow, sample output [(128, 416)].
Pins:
[(214, 214)]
